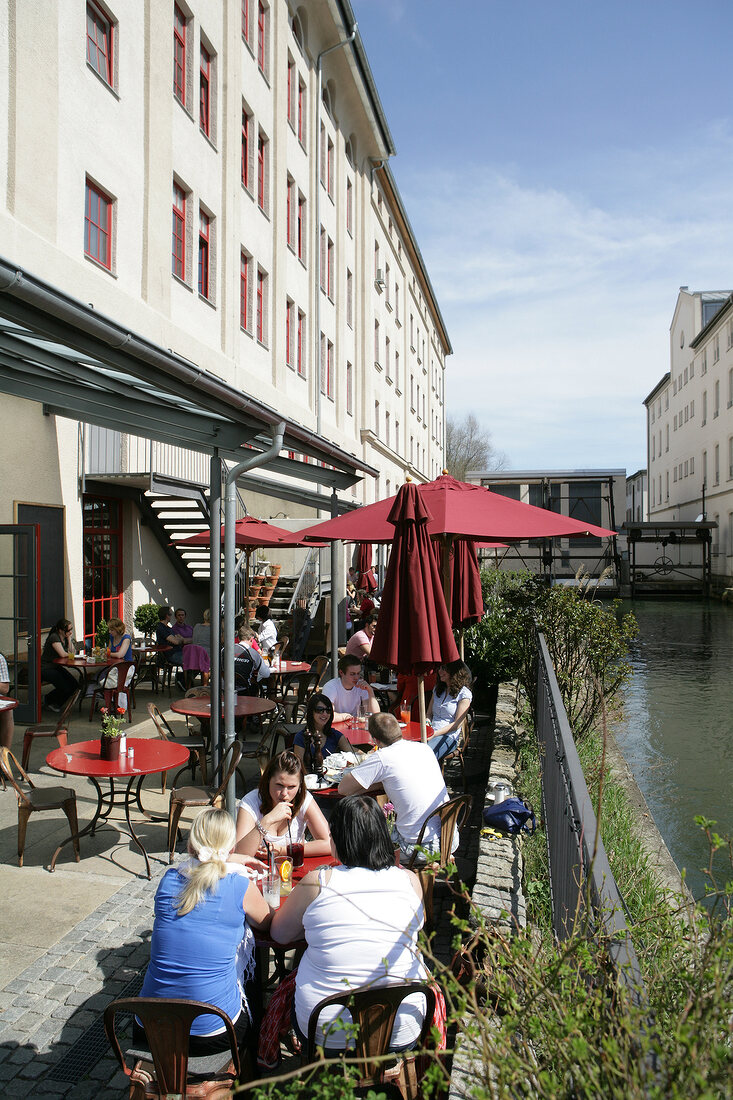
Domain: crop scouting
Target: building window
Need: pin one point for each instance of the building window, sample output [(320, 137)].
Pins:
[(301, 228), (300, 351), (98, 226), (322, 275), (204, 255), (261, 306), (302, 116), (376, 418), (289, 331), (322, 158), (247, 150), (397, 304), (386, 286), (730, 465), (349, 207), (704, 407), (387, 365), (349, 389), (245, 293), (397, 370), (716, 349), (386, 430), (704, 368), (716, 465), (205, 92), (705, 468), (349, 299), (716, 400), (292, 74), (262, 172), (246, 24), (100, 43), (376, 343), (263, 16), (329, 268), (290, 212), (103, 587), (179, 232), (329, 168), (179, 55)]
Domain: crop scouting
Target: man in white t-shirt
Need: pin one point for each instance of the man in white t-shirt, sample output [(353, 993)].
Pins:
[(411, 778), (347, 690)]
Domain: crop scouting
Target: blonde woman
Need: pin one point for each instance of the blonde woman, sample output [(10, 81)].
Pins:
[(203, 909)]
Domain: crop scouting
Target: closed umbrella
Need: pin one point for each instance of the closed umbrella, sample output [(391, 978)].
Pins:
[(413, 630), (367, 580)]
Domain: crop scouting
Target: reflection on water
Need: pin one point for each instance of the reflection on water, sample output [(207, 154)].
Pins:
[(677, 731)]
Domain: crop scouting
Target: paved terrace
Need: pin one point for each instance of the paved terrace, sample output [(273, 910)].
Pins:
[(72, 941)]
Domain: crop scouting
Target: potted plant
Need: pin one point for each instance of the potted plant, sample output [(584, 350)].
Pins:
[(146, 618), (101, 639), (111, 732)]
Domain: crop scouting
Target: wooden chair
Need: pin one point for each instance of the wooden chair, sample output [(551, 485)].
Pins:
[(60, 731), (185, 797), (373, 1010), (265, 746), (321, 665), (453, 815), (459, 752), (281, 645), (124, 685), (197, 746), (166, 1068), (36, 798), (295, 701)]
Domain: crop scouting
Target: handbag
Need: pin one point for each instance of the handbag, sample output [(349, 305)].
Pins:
[(511, 816)]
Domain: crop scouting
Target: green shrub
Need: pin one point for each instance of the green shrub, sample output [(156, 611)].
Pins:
[(146, 617)]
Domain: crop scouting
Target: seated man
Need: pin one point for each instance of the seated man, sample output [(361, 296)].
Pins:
[(410, 776), (347, 690), (360, 644), (182, 628), (167, 635), (7, 725), (250, 668)]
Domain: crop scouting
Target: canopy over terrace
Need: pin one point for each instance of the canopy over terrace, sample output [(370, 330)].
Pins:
[(79, 364)]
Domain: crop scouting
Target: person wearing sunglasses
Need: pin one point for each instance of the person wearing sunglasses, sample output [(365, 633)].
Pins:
[(317, 737)]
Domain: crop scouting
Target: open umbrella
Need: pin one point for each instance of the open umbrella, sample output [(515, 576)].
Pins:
[(413, 630), (367, 580)]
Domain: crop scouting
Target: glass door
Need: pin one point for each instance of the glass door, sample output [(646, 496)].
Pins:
[(20, 628)]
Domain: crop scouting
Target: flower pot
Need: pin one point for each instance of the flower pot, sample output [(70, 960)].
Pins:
[(259, 578), (275, 571), (254, 591), (109, 748)]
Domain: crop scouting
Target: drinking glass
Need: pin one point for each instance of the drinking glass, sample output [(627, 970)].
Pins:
[(405, 711), (271, 888), (296, 851)]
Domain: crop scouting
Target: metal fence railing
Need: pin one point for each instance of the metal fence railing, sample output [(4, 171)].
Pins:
[(583, 890)]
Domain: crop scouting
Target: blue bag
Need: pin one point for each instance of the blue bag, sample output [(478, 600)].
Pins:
[(511, 816)]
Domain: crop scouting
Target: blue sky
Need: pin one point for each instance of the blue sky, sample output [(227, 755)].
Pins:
[(566, 167)]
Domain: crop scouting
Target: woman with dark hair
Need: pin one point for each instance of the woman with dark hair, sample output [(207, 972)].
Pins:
[(267, 632), (59, 643), (448, 706), (279, 811), (317, 738), (365, 902)]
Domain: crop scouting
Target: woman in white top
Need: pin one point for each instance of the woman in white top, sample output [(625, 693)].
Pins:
[(267, 633), (279, 811), (448, 706), (361, 921)]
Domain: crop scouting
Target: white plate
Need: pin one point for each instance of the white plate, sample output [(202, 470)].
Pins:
[(338, 760), (313, 783)]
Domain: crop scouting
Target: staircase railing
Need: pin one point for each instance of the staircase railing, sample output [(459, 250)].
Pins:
[(307, 592)]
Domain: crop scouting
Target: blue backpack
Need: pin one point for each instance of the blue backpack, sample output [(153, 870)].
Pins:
[(511, 816)]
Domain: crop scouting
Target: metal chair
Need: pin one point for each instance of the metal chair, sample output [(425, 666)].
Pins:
[(197, 746), (184, 797), (459, 752), (123, 685), (166, 1068), (321, 665), (295, 702), (59, 731), (373, 1010), (37, 798), (453, 815), (264, 747)]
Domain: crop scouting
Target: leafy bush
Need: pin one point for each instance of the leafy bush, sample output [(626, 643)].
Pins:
[(146, 617)]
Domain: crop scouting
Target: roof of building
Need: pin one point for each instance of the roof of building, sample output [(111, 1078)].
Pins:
[(726, 297), (540, 475), (662, 382)]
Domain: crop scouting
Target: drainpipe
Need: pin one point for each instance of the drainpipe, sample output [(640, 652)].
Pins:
[(230, 513), (317, 253)]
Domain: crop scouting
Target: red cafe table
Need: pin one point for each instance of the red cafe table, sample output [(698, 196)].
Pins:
[(358, 735), (244, 706), (7, 704), (150, 756)]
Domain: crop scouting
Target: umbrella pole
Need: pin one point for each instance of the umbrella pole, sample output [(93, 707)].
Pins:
[(421, 705), (460, 643)]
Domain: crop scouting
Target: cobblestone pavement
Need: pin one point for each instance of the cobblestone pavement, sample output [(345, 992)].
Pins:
[(52, 1041)]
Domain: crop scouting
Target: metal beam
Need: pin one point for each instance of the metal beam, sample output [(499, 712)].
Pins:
[(309, 498)]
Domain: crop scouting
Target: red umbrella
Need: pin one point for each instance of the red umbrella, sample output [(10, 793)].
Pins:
[(367, 580), (414, 630), (251, 534), (466, 597)]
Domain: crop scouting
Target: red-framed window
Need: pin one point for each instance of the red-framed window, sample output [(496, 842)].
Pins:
[(102, 542), (329, 369), (291, 91), (301, 228), (100, 42), (262, 37), (261, 302), (179, 55), (300, 351), (205, 92), (245, 275), (245, 20), (178, 250), (289, 331), (204, 254), (246, 150), (261, 170), (301, 112), (98, 226), (290, 212)]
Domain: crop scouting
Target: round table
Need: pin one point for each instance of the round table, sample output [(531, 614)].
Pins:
[(8, 704), (244, 706), (288, 668), (357, 735), (150, 756)]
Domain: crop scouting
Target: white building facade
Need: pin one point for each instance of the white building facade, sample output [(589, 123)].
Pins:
[(215, 177), (689, 417)]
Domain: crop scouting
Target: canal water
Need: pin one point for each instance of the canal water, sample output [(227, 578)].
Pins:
[(677, 729)]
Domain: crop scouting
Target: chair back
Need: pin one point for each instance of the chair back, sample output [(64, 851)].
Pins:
[(69, 705), (226, 768), (161, 724), (125, 672), (320, 665), (271, 723), (7, 764), (453, 815), (282, 644), (373, 1010), (167, 1025)]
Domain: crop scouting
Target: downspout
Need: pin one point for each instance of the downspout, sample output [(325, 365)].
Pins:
[(317, 253), (230, 513)]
